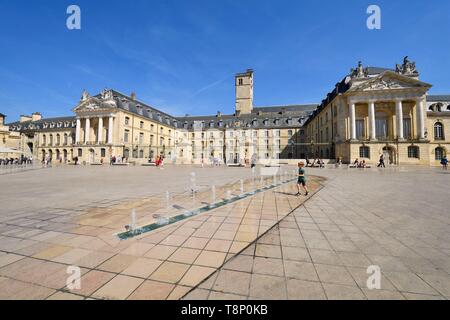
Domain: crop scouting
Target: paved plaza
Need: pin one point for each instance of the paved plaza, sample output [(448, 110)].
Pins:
[(272, 245)]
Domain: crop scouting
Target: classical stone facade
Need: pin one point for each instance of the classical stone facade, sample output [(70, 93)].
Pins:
[(9, 141), (372, 111), (375, 111)]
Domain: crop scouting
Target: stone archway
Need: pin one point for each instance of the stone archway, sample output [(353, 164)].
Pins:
[(390, 155), (91, 155)]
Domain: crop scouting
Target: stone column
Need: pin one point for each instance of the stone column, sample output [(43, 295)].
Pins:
[(352, 121), (399, 116), (87, 131), (420, 119), (77, 131), (372, 126), (110, 130), (100, 130)]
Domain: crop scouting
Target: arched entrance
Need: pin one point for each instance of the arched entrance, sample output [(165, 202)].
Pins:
[(91, 155), (65, 155), (43, 155), (50, 154), (30, 148), (390, 155), (58, 155)]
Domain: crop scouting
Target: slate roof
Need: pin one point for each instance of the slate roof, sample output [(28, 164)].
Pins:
[(47, 124), (438, 98), (261, 117)]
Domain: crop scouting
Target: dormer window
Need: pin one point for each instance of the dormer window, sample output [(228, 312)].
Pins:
[(240, 82)]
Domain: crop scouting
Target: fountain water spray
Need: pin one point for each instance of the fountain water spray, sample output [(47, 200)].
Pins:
[(133, 226), (213, 194), (167, 199), (193, 186)]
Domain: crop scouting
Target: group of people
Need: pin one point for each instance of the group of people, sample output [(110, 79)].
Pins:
[(20, 161), (159, 162), (113, 160), (360, 164), (316, 163)]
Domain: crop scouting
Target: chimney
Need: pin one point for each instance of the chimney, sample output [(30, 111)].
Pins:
[(219, 114), (24, 118), (133, 96), (36, 116)]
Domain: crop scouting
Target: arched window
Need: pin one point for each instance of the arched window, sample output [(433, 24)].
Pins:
[(364, 152), (66, 139), (44, 139), (438, 131), (413, 152), (58, 139), (51, 139), (439, 153)]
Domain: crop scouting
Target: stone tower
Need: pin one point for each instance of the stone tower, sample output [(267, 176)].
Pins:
[(244, 92)]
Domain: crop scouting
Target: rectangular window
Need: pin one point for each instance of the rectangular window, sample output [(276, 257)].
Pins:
[(360, 130), (103, 152), (381, 128), (364, 152), (413, 152), (141, 124), (126, 135), (127, 121), (407, 128), (141, 138)]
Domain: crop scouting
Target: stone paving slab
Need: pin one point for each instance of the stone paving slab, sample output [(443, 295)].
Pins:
[(168, 262), (323, 249)]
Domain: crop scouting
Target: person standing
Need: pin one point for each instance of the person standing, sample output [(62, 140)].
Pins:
[(301, 179)]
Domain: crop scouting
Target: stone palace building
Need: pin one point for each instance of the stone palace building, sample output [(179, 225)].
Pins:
[(372, 111)]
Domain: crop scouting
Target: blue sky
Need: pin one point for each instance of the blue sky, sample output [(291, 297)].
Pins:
[(181, 56)]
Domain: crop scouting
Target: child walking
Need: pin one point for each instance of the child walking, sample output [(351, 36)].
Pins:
[(301, 179)]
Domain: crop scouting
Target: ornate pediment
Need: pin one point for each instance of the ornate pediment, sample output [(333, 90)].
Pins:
[(390, 81), (104, 101), (94, 104)]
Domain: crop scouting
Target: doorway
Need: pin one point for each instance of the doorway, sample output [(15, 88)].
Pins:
[(390, 156), (91, 155)]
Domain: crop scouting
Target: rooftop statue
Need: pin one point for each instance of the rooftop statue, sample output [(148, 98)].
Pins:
[(359, 72), (407, 68), (85, 95)]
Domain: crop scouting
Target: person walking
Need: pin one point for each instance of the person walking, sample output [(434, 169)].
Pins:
[(444, 162), (381, 163), (253, 161), (301, 179)]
